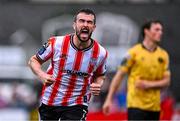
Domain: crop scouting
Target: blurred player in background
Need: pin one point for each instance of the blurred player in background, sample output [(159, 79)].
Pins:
[(147, 66), (76, 71)]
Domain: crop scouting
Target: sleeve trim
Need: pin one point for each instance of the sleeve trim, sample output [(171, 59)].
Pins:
[(39, 58)]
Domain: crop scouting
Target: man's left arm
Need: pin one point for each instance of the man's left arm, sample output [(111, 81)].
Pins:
[(144, 84), (95, 87), (99, 76)]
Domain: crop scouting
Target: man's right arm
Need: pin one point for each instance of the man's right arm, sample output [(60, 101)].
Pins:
[(35, 64), (126, 64), (117, 79)]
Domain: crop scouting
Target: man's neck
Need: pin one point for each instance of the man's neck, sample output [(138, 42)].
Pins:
[(149, 44), (79, 44)]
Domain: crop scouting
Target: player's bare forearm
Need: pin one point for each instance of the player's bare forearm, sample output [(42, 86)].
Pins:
[(161, 83), (115, 84), (112, 90), (144, 84), (35, 65)]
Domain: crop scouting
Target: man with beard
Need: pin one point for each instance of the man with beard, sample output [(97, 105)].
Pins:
[(148, 72), (77, 70)]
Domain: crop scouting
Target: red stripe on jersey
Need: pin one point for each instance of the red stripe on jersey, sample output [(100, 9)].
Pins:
[(95, 54), (48, 56), (62, 61), (99, 69), (51, 41), (50, 71), (73, 79), (44, 86), (89, 97)]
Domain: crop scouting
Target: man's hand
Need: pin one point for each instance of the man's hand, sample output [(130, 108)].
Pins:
[(106, 106), (47, 79), (95, 89), (35, 65)]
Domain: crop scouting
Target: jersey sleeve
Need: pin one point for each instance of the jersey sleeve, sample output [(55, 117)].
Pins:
[(101, 70), (47, 50), (127, 61), (166, 66)]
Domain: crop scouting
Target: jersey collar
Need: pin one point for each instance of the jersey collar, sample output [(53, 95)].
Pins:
[(147, 48), (84, 49)]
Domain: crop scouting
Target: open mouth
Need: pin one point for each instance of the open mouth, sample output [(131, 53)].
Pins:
[(85, 31)]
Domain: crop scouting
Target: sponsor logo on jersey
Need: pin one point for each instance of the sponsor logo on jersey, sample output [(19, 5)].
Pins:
[(78, 73), (93, 61)]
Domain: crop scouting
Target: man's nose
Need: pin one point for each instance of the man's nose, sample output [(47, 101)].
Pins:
[(85, 23), (160, 33)]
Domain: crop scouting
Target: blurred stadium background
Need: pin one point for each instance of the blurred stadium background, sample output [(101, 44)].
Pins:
[(26, 24)]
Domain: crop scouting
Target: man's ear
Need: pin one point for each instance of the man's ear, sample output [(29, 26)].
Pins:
[(74, 25), (94, 27), (146, 31)]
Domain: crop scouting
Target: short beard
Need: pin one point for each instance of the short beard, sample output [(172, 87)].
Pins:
[(83, 41)]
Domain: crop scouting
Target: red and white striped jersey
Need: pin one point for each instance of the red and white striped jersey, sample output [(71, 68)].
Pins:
[(73, 70)]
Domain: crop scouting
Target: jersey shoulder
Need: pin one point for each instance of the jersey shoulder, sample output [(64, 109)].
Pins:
[(102, 50), (135, 49), (163, 51), (59, 40)]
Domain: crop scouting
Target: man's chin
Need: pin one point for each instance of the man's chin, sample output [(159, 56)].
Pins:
[(84, 39)]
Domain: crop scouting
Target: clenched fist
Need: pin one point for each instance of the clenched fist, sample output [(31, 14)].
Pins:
[(95, 89), (47, 79)]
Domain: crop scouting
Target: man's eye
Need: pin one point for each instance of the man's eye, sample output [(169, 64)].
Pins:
[(81, 20), (89, 22)]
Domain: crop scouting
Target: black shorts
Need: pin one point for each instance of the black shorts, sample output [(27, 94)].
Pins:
[(77, 113), (139, 114)]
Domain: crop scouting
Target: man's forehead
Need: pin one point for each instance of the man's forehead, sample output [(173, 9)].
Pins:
[(85, 16), (156, 25)]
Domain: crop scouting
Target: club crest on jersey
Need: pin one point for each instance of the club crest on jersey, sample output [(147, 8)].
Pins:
[(93, 61), (63, 56), (160, 60)]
